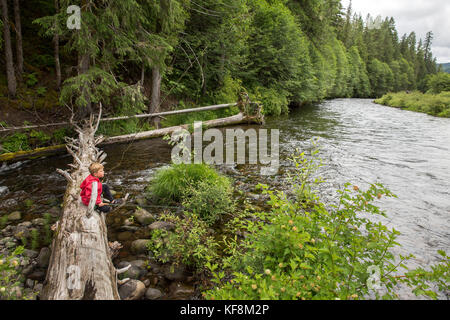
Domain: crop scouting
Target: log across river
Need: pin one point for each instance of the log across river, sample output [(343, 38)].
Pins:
[(361, 143)]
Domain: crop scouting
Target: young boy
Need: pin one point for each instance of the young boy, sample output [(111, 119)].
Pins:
[(96, 173)]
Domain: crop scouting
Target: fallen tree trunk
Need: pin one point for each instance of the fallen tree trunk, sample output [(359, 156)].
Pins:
[(41, 152), (80, 265), (221, 122)]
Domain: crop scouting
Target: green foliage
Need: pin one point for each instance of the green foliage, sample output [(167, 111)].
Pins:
[(274, 101), (432, 104), (3, 221), (30, 79), (171, 184), (439, 82), (16, 142), (34, 239), (121, 127), (41, 91), (307, 250), (190, 243), (11, 277), (48, 235), (209, 200)]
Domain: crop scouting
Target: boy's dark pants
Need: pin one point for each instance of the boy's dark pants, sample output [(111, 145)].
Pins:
[(106, 194)]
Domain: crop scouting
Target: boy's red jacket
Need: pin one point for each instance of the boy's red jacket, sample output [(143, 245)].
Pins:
[(86, 190)]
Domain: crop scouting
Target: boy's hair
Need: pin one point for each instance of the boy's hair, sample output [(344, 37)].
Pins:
[(95, 167)]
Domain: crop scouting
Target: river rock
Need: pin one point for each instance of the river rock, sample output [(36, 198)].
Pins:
[(140, 246), (135, 273), (44, 257), (29, 283), (153, 294), (143, 217), (138, 263), (175, 272), (162, 225), (27, 270), (132, 290), (38, 287), (21, 232), (37, 275), (141, 201), (54, 212), (180, 291), (124, 236), (16, 215), (38, 221)]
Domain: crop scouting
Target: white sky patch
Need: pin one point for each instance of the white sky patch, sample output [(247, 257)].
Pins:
[(419, 16)]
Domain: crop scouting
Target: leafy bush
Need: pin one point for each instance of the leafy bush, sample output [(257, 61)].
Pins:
[(307, 250), (209, 200), (171, 184), (190, 243), (432, 104), (16, 142), (274, 101), (439, 82), (30, 79)]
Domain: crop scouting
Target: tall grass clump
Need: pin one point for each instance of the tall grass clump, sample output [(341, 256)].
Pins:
[(429, 103), (171, 184)]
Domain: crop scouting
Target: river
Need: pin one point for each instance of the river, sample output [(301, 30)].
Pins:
[(360, 142)]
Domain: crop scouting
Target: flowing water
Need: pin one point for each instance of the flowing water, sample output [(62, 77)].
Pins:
[(360, 142)]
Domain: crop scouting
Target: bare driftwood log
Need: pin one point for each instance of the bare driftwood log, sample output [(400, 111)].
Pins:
[(80, 264)]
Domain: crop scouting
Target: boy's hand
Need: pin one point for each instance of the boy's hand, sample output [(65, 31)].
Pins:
[(101, 204)]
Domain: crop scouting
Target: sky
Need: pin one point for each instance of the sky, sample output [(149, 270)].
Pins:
[(420, 16)]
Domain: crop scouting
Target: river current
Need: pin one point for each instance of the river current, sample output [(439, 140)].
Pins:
[(360, 142)]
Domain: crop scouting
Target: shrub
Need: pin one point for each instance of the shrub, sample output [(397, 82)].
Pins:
[(11, 277), (307, 250), (209, 200), (190, 243), (171, 184)]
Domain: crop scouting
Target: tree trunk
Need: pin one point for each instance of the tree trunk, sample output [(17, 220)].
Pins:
[(11, 77), (80, 264), (156, 95), (56, 44), (83, 67), (19, 47)]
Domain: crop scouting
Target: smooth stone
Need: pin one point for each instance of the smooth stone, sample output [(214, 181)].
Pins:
[(54, 212), (140, 246), (141, 201), (30, 253), (143, 216), (162, 225), (39, 221), (138, 263), (27, 270), (147, 282), (29, 283), (129, 228), (124, 236), (122, 264), (181, 291), (153, 294), (25, 224), (132, 290), (44, 257), (37, 275), (38, 287), (134, 273), (16, 215), (21, 232), (178, 274)]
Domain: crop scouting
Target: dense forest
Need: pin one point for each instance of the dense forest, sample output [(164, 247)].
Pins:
[(136, 56)]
